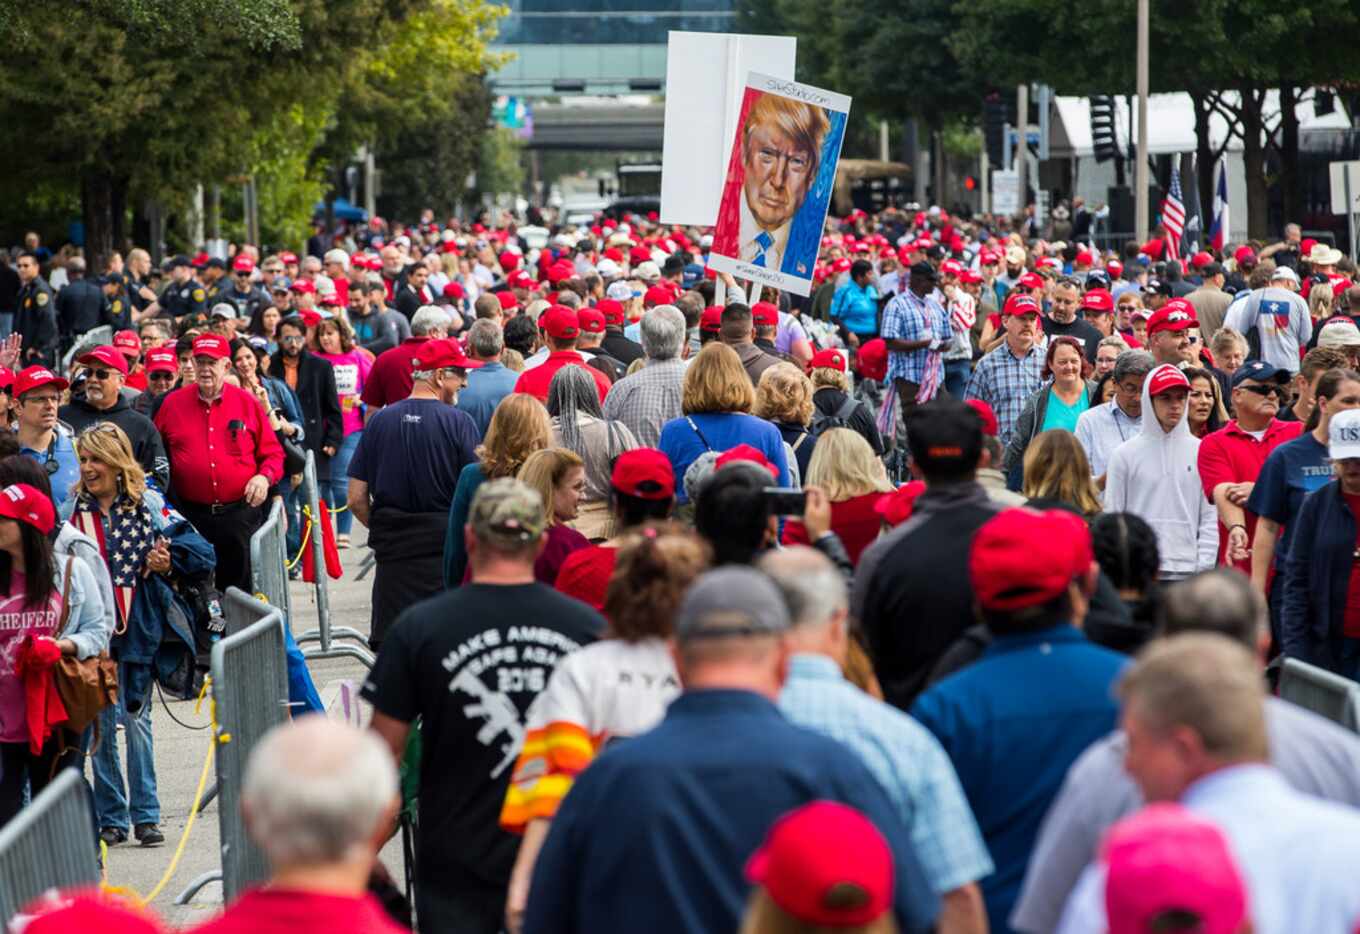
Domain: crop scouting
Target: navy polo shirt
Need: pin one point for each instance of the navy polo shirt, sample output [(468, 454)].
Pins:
[(1291, 472), (411, 453), (655, 835), (1012, 723)]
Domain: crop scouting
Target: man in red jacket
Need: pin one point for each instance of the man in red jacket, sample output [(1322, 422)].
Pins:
[(561, 329)]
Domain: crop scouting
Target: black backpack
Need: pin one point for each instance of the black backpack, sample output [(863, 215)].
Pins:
[(837, 419)]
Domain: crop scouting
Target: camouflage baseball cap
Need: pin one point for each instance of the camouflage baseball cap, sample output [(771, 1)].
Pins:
[(507, 511)]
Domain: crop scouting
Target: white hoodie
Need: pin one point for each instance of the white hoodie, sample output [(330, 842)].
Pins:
[(1155, 476)]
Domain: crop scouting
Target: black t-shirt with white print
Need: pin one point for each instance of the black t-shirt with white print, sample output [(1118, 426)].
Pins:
[(469, 662)]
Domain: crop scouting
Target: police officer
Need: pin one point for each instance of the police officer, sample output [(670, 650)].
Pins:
[(185, 295), (145, 303), (114, 287), (81, 305), (212, 274), (36, 319)]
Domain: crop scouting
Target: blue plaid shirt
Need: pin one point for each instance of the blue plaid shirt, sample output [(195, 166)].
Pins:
[(906, 760), (910, 318), (1004, 381)]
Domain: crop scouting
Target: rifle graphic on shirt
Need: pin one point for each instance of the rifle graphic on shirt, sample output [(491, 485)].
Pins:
[(499, 714)]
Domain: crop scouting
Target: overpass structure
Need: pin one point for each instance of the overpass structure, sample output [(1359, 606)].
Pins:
[(614, 127)]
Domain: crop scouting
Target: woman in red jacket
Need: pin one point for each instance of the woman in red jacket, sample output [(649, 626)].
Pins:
[(853, 477)]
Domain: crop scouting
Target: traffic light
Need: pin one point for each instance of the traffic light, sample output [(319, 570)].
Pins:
[(1102, 128), (969, 183), (998, 109)]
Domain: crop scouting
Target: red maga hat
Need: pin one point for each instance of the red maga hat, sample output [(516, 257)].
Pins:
[(645, 473), (1006, 571)]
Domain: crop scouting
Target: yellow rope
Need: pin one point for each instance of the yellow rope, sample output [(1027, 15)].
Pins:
[(130, 893), (306, 536)]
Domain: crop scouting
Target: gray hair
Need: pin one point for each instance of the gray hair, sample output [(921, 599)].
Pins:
[(1137, 363), (698, 473), (811, 585), (427, 318), (338, 256), (1221, 601), (1114, 340), (1225, 336), (75, 266), (569, 299), (486, 339), (315, 790), (572, 393), (310, 264), (663, 332)]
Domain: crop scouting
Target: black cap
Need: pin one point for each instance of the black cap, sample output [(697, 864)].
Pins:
[(215, 263), (1156, 286), (1097, 279), (924, 270), (180, 260)]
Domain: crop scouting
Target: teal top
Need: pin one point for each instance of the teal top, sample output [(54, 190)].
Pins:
[(1059, 414)]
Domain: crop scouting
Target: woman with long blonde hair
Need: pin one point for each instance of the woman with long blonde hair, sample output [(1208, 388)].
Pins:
[(1056, 470), (852, 476), (519, 427), (559, 476), (717, 398)]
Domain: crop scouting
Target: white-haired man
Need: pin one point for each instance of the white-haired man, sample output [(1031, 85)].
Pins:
[(318, 798)]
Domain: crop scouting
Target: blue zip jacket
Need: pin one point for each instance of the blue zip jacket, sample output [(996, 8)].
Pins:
[(1316, 575)]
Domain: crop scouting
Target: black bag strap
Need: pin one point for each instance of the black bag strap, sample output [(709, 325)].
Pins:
[(847, 408), (702, 439)]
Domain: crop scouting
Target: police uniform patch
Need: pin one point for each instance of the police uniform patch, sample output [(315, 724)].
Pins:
[(42, 299), (28, 303), (198, 295), (117, 305)]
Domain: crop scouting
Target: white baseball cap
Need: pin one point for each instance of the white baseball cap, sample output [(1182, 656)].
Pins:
[(608, 269), (1343, 435), (1284, 272)]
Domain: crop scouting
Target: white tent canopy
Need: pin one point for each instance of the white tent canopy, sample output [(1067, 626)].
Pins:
[(1171, 123)]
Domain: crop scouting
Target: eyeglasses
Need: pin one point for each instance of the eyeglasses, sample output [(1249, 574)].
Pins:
[(101, 373), (106, 428), (43, 400), (160, 375)]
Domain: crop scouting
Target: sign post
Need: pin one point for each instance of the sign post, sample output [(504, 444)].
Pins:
[(1005, 192), (1345, 178)]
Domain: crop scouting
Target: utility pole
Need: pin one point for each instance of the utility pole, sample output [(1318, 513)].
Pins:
[(1022, 142), (1140, 172)]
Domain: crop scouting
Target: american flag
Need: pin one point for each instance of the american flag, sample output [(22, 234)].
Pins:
[(1173, 216)]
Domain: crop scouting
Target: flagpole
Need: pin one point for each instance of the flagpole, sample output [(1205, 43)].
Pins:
[(1140, 175)]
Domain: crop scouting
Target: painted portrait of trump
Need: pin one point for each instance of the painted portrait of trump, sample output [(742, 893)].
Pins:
[(781, 146)]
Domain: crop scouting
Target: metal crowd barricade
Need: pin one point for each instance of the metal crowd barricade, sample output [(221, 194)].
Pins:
[(250, 693), (325, 634), (1323, 692), (269, 561), (48, 845)]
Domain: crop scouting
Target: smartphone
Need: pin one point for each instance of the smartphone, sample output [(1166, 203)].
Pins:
[(785, 502)]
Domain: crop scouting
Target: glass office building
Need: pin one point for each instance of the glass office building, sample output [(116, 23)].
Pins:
[(597, 46)]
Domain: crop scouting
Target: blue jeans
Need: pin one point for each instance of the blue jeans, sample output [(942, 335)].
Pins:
[(111, 805), (292, 504), (956, 373), (336, 490)]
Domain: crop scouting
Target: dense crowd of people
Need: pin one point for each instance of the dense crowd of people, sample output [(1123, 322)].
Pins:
[(938, 599)]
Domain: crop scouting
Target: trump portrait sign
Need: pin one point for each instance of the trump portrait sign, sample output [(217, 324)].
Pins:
[(780, 174)]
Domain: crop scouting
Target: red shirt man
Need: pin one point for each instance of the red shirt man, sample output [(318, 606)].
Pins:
[(390, 379), (1231, 458), (561, 328)]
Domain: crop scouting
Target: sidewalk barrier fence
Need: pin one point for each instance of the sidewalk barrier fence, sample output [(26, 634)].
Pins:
[(250, 691), (269, 561), (48, 845), (1323, 692), (325, 635)]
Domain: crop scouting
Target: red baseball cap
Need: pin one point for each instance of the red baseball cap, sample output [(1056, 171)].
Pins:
[(951, 267), (1114, 267), (656, 295), (872, 359), (242, 263), (303, 287), (507, 300), (645, 473), (200, 260), (310, 317), (519, 279), (1006, 571), (35, 377), (591, 320), (107, 355), (638, 255), (211, 345), (1085, 258), (764, 315), (24, 503), (819, 848), (744, 452), (129, 343), (611, 309), (509, 261), (895, 508), (441, 354), (1175, 315), (1031, 280), (1098, 300), (288, 258), (1166, 377), (454, 290), (560, 272), (710, 322), (842, 265), (1166, 858), (1019, 304), (1245, 256), (989, 423), (162, 359), (614, 253), (832, 357), (1201, 259), (968, 277), (988, 257), (560, 322)]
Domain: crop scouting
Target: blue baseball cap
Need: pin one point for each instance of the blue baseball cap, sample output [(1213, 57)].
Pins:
[(1261, 372)]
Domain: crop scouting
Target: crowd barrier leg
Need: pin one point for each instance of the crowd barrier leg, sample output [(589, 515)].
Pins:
[(48, 845)]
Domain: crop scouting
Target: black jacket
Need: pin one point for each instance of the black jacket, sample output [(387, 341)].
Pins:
[(620, 347), (316, 392), (407, 300), (147, 446), (36, 323), (912, 595), (81, 307)]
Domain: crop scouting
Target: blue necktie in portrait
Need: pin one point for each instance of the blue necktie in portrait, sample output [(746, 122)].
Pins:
[(764, 241)]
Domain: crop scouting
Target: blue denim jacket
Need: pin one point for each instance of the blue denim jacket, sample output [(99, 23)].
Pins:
[(1317, 574)]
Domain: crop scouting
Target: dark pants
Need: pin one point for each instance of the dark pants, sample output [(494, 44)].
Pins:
[(228, 529), (475, 911), (956, 373), (19, 767)]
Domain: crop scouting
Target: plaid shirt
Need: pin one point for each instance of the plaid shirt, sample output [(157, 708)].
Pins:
[(648, 399), (906, 759), (1005, 382), (910, 318)]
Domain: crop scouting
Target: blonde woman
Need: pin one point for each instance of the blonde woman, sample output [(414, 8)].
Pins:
[(1056, 471), (519, 427), (784, 399), (717, 399), (853, 477), (559, 476)]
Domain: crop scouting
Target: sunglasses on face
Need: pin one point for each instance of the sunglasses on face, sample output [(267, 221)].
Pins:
[(1264, 390), (160, 375), (292, 339), (101, 373)]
